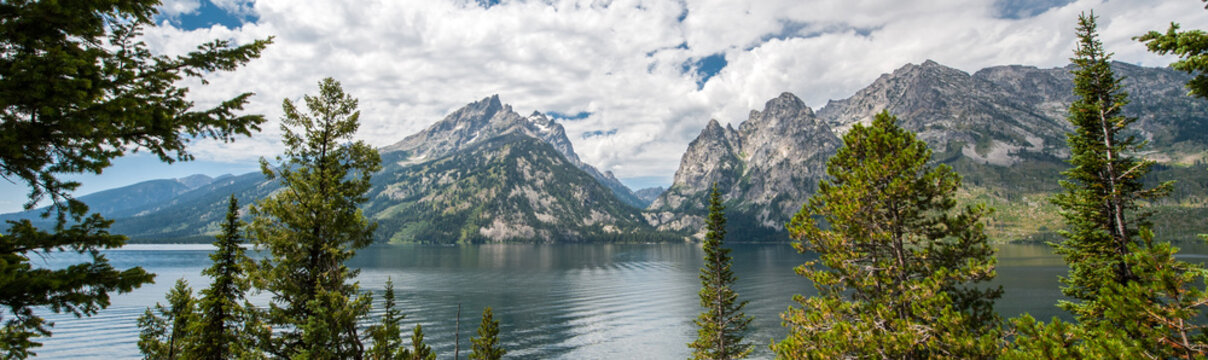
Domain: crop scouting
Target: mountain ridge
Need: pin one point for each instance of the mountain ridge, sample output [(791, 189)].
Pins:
[(1002, 127)]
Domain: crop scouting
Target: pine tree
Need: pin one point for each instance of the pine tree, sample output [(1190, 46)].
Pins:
[(720, 328), (1136, 300), (386, 336), (165, 332), (313, 226), (419, 350), (486, 345), (78, 89), (898, 264), (1103, 188), (222, 314)]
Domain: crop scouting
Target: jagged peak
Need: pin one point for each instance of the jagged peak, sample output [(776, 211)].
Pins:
[(715, 132), (540, 119), (785, 106), (786, 101), (488, 106), (927, 67)]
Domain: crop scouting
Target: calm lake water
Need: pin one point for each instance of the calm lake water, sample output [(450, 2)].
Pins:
[(553, 301)]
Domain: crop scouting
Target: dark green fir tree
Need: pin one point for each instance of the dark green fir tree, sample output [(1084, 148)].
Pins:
[(899, 264), (166, 333), (1132, 298), (79, 89), (486, 345), (312, 226), (1103, 188), (222, 307), (721, 327), (386, 335)]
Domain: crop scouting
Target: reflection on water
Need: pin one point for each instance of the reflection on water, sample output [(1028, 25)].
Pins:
[(553, 301)]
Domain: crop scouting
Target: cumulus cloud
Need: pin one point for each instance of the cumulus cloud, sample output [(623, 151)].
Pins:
[(174, 8), (622, 62)]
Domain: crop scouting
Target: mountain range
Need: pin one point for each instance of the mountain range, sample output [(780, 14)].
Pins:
[(485, 173), (1002, 128)]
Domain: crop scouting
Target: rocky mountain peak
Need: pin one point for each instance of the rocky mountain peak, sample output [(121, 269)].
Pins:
[(786, 103), (786, 107), (714, 129), (761, 166), (487, 105), (489, 118)]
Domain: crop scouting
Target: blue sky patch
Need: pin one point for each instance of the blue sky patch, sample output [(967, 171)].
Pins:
[(487, 4), (208, 15), (642, 182), (705, 67), (563, 116), (1023, 9), (591, 134)]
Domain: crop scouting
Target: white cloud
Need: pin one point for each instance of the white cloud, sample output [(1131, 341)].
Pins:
[(174, 8), (412, 62)]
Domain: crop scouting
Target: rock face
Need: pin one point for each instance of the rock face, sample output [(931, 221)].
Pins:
[(1003, 128), (512, 187), (1000, 114), (950, 108), (488, 118), (765, 168), (648, 195)]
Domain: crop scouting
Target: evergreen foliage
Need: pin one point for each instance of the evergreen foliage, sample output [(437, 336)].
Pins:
[(386, 336), (312, 226), (898, 262), (79, 89), (1190, 46), (166, 332), (721, 327), (1157, 316), (223, 307), (419, 350), (486, 345), (1103, 191), (1136, 300)]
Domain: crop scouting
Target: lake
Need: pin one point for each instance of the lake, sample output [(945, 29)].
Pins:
[(597, 301)]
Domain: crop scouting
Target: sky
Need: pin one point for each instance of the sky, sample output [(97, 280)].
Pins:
[(632, 81)]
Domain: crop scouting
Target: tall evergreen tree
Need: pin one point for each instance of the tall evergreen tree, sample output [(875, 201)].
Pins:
[(721, 327), (78, 89), (165, 333), (1103, 188), (222, 313), (1136, 299), (313, 226), (486, 345), (419, 350), (898, 264), (386, 336)]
